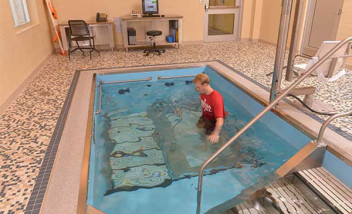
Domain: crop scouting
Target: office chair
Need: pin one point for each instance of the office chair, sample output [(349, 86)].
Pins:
[(80, 32), (152, 34)]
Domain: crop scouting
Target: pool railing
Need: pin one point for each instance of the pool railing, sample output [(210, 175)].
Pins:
[(282, 95)]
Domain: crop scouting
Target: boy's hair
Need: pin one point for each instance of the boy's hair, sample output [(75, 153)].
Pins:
[(202, 78)]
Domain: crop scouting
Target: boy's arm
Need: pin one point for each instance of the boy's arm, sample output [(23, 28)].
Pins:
[(219, 115), (214, 137), (218, 125)]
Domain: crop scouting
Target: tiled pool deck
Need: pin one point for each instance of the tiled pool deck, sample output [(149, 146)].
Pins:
[(27, 125)]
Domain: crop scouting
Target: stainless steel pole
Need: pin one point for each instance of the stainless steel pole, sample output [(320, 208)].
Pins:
[(281, 47), (294, 39)]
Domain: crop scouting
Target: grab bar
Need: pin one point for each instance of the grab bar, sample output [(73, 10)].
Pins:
[(99, 105), (261, 114), (172, 77), (93, 131), (115, 82), (123, 81), (326, 123)]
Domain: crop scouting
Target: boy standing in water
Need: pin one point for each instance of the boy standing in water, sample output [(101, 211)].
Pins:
[(214, 114)]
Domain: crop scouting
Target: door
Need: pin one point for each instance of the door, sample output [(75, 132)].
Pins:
[(322, 24), (222, 20)]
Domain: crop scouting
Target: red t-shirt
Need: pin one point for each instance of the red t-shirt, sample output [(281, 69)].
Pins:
[(213, 106)]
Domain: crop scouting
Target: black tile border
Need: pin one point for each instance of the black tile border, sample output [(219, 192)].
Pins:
[(41, 183)]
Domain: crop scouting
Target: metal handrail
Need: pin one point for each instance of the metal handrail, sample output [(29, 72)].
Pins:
[(261, 114), (115, 82), (173, 77), (99, 105), (123, 81), (326, 123)]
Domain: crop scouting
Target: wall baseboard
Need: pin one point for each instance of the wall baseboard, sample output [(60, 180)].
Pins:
[(266, 42), (196, 42), (22, 86), (248, 40), (120, 47)]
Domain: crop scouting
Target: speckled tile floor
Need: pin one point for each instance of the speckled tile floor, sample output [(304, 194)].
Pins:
[(27, 125)]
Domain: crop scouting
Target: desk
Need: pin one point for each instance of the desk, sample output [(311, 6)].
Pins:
[(155, 23), (101, 30)]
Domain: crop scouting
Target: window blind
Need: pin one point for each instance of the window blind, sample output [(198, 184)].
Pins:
[(19, 12)]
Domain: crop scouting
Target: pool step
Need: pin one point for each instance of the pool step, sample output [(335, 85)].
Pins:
[(253, 207), (329, 188), (293, 196)]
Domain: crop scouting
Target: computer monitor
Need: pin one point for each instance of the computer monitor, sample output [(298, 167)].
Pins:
[(150, 7)]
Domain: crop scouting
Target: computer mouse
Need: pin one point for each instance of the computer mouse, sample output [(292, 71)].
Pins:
[(162, 15)]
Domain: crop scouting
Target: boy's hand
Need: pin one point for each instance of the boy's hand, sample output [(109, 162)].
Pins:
[(214, 138)]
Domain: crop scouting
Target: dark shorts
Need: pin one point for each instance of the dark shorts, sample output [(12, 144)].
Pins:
[(208, 125)]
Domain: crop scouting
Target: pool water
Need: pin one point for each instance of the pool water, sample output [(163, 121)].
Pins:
[(147, 150)]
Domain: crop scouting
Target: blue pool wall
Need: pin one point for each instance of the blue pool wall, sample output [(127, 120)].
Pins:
[(272, 121), (275, 123), (154, 74), (337, 167), (143, 75)]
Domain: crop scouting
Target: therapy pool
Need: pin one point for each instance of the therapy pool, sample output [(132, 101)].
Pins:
[(146, 150)]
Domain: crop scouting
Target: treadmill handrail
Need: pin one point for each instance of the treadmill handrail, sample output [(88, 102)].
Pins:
[(115, 82), (326, 123)]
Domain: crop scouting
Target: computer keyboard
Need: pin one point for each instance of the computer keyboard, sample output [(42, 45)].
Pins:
[(151, 16)]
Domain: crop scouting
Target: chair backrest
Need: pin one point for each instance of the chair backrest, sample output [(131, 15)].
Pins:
[(325, 47), (78, 28)]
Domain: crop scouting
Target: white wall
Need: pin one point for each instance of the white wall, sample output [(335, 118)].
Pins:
[(21, 49)]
